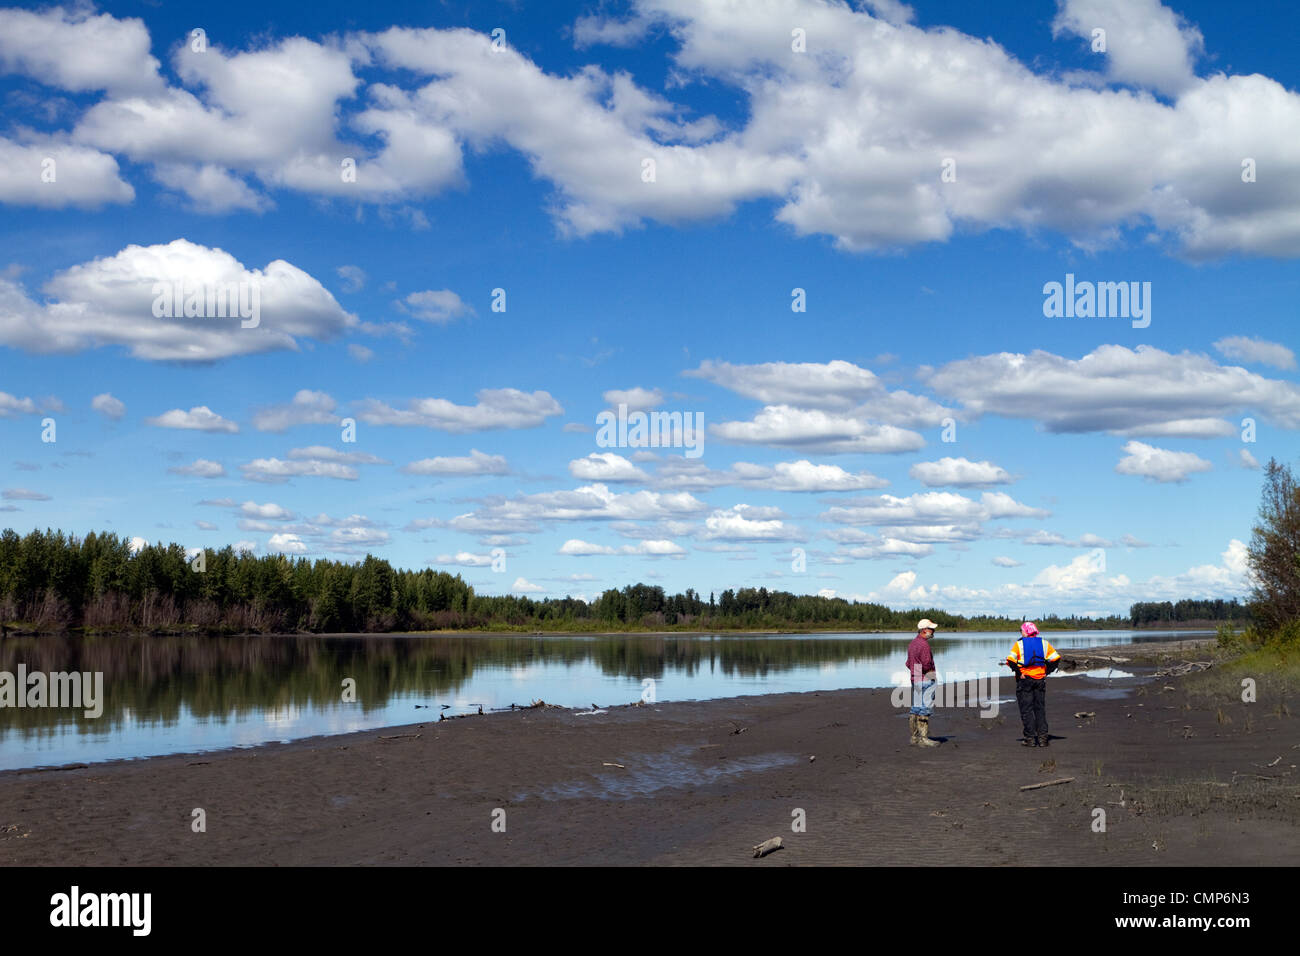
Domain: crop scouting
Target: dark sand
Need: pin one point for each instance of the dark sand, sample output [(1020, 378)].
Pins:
[(1178, 787)]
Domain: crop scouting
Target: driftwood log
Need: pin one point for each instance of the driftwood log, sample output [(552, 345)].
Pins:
[(70, 766), (1048, 783), (1186, 667), (1090, 662), (768, 846)]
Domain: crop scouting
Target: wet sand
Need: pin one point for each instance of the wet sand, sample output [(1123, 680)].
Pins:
[(701, 783)]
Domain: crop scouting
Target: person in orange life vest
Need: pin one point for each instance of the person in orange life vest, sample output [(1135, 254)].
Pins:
[(1032, 659)]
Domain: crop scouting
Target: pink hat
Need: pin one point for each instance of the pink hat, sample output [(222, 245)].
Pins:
[(1028, 630)]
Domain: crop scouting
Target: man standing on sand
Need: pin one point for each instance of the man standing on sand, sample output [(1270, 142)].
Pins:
[(920, 664), (1033, 658)]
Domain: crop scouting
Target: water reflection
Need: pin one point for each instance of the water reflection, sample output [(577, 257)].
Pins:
[(174, 694)]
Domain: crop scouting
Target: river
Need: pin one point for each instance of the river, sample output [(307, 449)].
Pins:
[(165, 695)]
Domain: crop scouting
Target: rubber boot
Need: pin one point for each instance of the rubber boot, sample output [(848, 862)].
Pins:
[(923, 733), (912, 725)]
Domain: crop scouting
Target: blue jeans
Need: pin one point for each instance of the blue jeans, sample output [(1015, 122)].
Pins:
[(923, 698)]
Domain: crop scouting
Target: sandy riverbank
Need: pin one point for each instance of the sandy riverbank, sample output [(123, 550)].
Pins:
[(700, 783)]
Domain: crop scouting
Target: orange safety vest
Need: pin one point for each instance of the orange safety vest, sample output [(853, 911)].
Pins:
[(1036, 670)]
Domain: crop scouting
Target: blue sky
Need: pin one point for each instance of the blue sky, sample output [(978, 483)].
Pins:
[(1094, 463)]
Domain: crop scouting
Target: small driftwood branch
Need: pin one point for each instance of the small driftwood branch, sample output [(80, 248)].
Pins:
[(396, 736), (618, 765), (768, 846), (71, 766), (1048, 783)]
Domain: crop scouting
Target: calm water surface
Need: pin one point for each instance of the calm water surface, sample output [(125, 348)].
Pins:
[(178, 695)]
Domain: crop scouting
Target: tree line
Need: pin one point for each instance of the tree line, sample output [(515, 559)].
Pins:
[(1146, 613), (51, 582)]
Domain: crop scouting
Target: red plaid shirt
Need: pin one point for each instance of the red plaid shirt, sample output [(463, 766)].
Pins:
[(919, 659)]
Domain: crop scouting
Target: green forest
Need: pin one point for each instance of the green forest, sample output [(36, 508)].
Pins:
[(51, 582), (1148, 613)]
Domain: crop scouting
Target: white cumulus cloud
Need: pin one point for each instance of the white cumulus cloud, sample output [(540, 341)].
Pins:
[(960, 473), (108, 406), (111, 301), (605, 466), (199, 418), (1256, 350), (201, 468), (1159, 464), (475, 463), (496, 408)]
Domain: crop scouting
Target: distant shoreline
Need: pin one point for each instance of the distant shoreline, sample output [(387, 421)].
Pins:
[(12, 631)]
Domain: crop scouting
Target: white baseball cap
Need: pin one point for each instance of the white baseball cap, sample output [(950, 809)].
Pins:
[(926, 622)]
